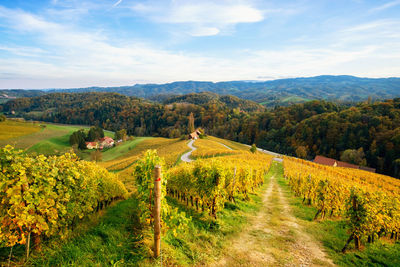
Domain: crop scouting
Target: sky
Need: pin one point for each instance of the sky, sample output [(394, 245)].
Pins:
[(81, 43)]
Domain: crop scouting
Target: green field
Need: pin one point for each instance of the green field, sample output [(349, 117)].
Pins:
[(119, 150), (51, 139), (54, 139)]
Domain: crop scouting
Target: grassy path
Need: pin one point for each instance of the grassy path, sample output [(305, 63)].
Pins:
[(273, 236)]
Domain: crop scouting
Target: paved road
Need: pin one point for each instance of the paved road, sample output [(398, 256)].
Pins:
[(226, 146), (267, 152), (186, 157)]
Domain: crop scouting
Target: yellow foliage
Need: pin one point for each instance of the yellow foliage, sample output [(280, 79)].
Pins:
[(370, 201), (210, 148)]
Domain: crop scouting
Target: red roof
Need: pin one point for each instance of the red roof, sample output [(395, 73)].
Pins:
[(91, 143), (331, 162), (324, 160), (106, 139), (347, 165)]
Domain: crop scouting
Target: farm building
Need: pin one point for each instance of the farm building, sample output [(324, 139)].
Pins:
[(92, 145), (194, 135), (106, 142), (336, 163)]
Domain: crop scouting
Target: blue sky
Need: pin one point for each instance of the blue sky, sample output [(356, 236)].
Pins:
[(79, 43)]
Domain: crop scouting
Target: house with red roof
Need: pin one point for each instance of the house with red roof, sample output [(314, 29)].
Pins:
[(92, 145), (106, 142), (336, 163)]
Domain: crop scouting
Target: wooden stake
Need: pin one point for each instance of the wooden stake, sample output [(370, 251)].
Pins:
[(28, 245), (157, 210)]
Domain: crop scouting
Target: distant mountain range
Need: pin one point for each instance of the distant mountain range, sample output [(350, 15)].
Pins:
[(269, 93)]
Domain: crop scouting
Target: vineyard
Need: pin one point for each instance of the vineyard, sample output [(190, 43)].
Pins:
[(13, 129), (43, 197), (209, 148), (370, 202), (208, 183), (202, 202)]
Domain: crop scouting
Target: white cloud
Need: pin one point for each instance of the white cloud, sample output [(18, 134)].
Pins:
[(385, 6), (204, 31), (117, 3), (67, 56), (204, 17)]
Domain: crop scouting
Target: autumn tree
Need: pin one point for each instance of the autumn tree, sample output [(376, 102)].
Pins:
[(121, 135), (191, 123), (301, 152), (253, 148), (354, 156)]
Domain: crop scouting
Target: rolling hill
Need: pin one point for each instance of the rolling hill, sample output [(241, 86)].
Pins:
[(269, 93)]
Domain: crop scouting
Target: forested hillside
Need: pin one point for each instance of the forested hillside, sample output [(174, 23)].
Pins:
[(316, 127), (281, 92)]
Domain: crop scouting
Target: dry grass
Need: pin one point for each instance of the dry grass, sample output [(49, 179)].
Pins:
[(13, 129)]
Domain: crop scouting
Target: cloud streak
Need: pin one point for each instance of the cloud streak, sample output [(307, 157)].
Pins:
[(386, 6), (117, 3), (203, 17)]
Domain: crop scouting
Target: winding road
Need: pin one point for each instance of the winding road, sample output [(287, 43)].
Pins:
[(186, 157)]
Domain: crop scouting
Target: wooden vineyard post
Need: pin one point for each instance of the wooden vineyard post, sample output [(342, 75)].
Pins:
[(157, 210)]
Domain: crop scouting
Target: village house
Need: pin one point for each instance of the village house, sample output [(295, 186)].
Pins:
[(195, 135), (336, 163), (106, 142), (92, 145)]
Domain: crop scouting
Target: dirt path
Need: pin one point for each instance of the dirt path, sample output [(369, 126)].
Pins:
[(186, 157), (274, 237)]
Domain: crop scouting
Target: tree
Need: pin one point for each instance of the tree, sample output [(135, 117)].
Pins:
[(78, 138), (253, 148), (95, 133), (121, 135), (191, 123), (96, 155), (301, 152), (354, 156), (396, 164)]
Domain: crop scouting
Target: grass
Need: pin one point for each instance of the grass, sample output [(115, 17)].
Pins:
[(116, 240), (48, 140), (122, 149), (54, 139), (333, 234), (169, 149), (206, 239), (13, 129)]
